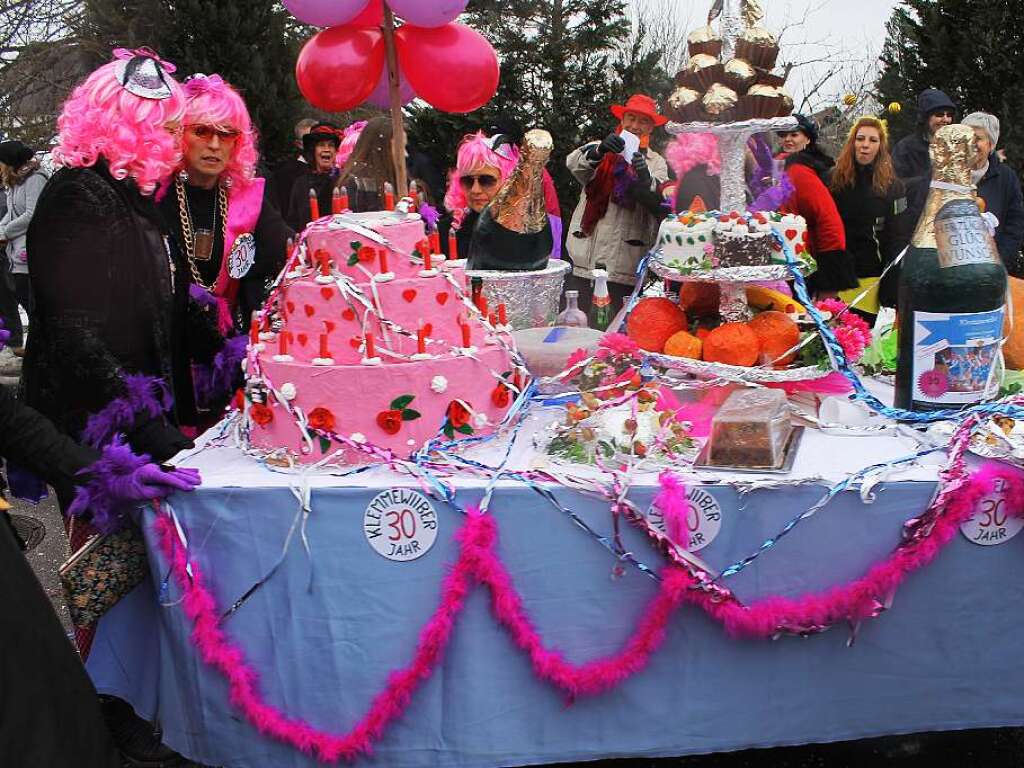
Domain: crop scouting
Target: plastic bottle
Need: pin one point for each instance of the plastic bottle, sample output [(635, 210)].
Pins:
[(601, 304)]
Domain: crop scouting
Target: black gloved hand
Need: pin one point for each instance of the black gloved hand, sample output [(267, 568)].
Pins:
[(612, 143), (643, 173)]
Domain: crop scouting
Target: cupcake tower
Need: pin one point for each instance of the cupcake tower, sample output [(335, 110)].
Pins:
[(718, 85)]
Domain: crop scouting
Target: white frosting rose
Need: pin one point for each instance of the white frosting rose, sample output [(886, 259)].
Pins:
[(439, 384), (288, 391), (357, 437)]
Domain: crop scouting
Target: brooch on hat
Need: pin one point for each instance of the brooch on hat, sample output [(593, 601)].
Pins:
[(142, 73)]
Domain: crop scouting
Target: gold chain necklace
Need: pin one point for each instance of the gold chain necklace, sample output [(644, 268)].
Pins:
[(186, 228)]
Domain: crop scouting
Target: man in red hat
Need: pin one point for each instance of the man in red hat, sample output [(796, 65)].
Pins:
[(616, 220)]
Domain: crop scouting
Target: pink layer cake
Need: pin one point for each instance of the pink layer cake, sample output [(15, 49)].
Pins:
[(386, 353)]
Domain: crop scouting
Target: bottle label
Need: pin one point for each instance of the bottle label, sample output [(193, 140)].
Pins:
[(954, 355), (964, 240)]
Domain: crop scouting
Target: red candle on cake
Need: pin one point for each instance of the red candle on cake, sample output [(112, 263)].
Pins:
[(453, 247), (325, 263), (389, 196), (465, 335), (492, 319), (426, 260), (254, 331), (481, 304), (435, 242), (282, 343), (383, 254), (421, 339), (314, 205), (289, 251), (325, 352), (502, 315), (371, 350), (343, 202), (336, 206)]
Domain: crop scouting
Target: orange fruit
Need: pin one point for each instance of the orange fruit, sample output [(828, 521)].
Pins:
[(683, 344), (699, 298), (777, 332), (733, 344), (653, 321)]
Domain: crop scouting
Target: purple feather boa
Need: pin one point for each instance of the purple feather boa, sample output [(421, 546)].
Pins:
[(430, 215), (144, 396), (95, 497), (624, 176), (220, 379), (770, 186)]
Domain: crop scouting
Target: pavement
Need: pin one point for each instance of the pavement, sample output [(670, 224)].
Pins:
[(990, 748)]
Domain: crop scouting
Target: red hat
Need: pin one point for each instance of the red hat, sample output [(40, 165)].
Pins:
[(641, 104)]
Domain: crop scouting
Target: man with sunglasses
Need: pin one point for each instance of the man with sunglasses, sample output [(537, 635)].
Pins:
[(616, 220), (910, 156)]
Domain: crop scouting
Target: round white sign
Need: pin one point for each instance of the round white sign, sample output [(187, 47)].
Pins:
[(242, 256), (703, 518), (400, 524), (992, 523)]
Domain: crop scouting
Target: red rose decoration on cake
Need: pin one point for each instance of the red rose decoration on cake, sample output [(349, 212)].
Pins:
[(458, 414), (366, 254), (261, 414), (500, 396), (322, 419), (390, 421)]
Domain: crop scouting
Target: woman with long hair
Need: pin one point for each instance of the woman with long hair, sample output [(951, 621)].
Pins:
[(370, 166), (872, 204)]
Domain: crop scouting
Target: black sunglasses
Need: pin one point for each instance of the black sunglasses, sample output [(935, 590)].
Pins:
[(485, 180)]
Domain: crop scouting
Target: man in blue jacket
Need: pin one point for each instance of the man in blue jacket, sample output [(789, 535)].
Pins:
[(910, 155), (1000, 188)]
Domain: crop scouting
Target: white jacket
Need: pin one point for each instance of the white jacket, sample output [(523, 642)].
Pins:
[(623, 236)]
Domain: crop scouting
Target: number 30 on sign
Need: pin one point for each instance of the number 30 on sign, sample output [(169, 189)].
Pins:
[(992, 522), (400, 524)]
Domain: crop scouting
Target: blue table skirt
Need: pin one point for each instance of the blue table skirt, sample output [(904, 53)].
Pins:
[(325, 632)]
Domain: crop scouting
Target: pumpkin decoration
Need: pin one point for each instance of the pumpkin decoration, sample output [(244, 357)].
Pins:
[(653, 321), (777, 333), (1013, 350), (683, 344), (732, 344)]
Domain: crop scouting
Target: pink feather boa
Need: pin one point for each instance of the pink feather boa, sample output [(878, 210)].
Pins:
[(478, 562), (689, 150)]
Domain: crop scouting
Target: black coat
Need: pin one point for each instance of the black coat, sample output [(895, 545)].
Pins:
[(111, 299), (48, 708), (282, 180), (913, 165), (298, 212), (1000, 189), (878, 228)]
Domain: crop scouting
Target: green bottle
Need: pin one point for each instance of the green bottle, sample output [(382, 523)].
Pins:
[(952, 293), (601, 303)]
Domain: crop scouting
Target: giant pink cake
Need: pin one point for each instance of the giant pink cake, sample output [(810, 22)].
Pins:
[(330, 298)]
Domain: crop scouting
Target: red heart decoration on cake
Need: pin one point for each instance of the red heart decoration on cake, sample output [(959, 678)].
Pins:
[(329, 326), (791, 234), (428, 328), (355, 342), (800, 248), (327, 293), (290, 306), (310, 310), (409, 294), (302, 339), (442, 299), (348, 314)]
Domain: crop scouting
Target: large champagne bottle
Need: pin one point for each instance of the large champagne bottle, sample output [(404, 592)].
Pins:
[(513, 232), (952, 290)]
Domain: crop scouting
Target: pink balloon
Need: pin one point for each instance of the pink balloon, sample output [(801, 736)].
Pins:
[(428, 13), (453, 68), (381, 96), (325, 13)]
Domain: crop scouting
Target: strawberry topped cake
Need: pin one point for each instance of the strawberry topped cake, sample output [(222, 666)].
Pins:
[(369, 346)]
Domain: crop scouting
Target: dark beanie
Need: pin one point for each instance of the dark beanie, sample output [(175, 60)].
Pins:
[(15, 154), (932, 100)]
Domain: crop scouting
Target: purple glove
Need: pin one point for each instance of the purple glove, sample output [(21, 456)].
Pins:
[(152, 482), (4, 335)]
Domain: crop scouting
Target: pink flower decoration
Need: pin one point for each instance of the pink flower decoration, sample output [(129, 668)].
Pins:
[(619, 344), (933, 383), (835, 306), (577, 357)]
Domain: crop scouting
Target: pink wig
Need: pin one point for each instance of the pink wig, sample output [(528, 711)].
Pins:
[(211, 101), (349, 137), (690, 150), (474, 153), (103, 120)]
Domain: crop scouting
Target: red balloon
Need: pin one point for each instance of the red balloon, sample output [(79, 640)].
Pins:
[(371, 16), (452, 67), (340, 66)]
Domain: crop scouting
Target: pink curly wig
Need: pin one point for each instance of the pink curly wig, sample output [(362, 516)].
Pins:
[(103, 120), (212, 101), (689, 150), (475, 153)]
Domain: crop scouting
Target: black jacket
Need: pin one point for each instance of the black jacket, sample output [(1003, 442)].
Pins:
[(878, 228), (913, 165), (298, 212), (1000, 189), (111, 299)]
